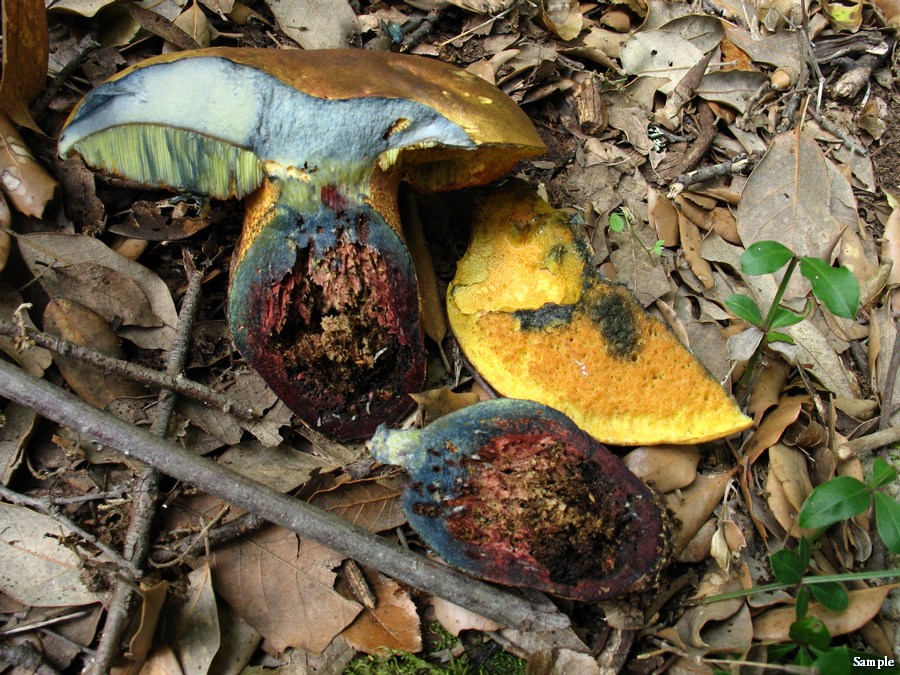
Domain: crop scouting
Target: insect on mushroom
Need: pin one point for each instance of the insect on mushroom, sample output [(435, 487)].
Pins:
[(323, 299)]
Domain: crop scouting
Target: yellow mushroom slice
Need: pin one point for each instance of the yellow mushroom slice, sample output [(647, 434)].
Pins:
[(537, 322)]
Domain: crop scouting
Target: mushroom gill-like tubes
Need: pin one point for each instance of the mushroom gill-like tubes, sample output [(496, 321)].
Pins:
[(323, 296)]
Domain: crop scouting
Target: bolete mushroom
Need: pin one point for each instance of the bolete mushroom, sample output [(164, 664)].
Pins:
[(538, 322), (323, 299), (513, 492)]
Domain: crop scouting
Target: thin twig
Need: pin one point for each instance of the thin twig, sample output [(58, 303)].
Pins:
[(890, 378), (308, 521), (153, 378), (869, 443), (27, 627), (475, 29), (835, 130), (707, 173), (169, 554), (85, 46), (47, 507), (418, 32), (146, 494), (199, 539)]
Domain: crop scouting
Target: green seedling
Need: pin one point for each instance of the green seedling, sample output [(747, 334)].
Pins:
[(621, 221), (834, 287), (839, 499), (844, 497)]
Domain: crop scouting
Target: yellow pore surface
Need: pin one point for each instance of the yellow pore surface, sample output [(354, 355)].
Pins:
[(594, 354)]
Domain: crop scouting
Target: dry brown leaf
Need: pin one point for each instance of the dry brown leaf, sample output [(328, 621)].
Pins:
[(316, 24), (666, 467), (890, 246), (109, 293), (152, 599), (5, 238), (789, 465), (162, 662), (699, 548), (26, 184), (691, 243), (456, 619), (634, 268), (76, 323), (439, 402), (482, 6), (392, 624), (773, 426), (282, 468), (372, 504), (282, 586), (781, 506), (434, 314), (774, 624), (563, 17), (660, 54), (193, 630), (889, 9), (694, 505), (163, 26), (815, 352), (767, 388), (724, 627), (788, 199), (663, 217), (194, 22), (18, 424), (26, 48), (47, 572), (43, 252)]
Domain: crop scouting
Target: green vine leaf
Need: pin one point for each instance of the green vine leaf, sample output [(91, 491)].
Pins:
[(840, 498), (832, 595), (835, 287), (782, 316), (744, 308), (765, 257), (887, 520)]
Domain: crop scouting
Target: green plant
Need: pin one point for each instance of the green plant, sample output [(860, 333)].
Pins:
[(838, 499), (436, 658), (834, 287), (844, 497), (621, 221)]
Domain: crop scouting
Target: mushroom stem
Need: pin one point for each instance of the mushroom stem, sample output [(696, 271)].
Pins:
[(324, 304)]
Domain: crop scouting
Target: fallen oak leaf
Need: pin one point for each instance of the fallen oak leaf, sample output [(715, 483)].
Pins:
[(26, 49), (27, 185), (392, 624), (282, 586), (774, 625)]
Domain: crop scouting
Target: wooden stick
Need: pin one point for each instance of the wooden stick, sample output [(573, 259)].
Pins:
[(308, 521)]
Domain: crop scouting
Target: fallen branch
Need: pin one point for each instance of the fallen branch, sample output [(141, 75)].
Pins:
[(153, 378), (306, 520)]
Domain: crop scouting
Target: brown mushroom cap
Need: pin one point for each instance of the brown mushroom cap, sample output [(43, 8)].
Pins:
[(323, 297), (499, 132), (537, 322)]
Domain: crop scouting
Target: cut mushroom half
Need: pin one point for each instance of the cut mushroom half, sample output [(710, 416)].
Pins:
[(323, 299), (536, 321)]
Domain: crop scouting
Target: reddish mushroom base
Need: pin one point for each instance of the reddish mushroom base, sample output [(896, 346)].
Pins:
[(326, 309)]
